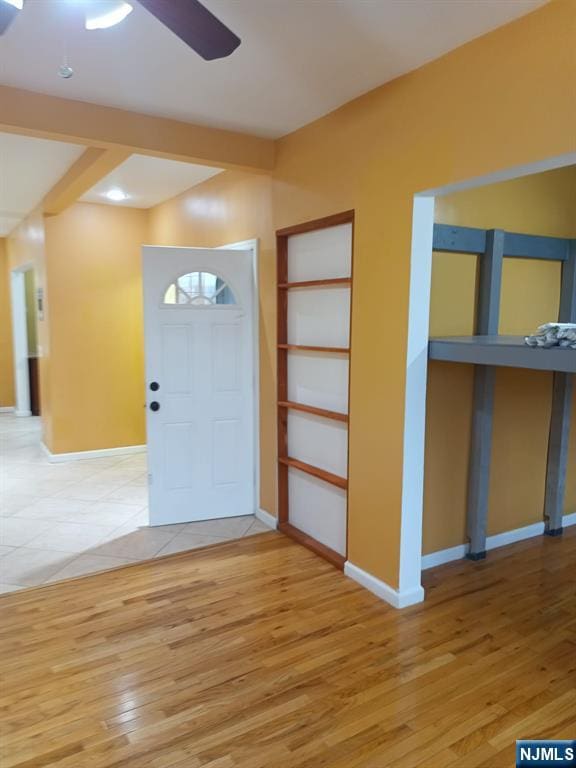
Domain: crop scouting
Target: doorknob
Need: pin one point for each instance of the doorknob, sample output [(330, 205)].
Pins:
[(154, 406)]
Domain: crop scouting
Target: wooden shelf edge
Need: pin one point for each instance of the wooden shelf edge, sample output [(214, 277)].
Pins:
[(306, 348), (321, 474), (335, 558), (335, 415), (316, 283)]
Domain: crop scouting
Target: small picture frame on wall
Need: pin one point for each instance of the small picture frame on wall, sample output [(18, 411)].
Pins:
[(40, 303)]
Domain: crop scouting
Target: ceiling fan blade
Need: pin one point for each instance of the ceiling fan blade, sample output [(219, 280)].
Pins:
[(195, 25), (8, 13)]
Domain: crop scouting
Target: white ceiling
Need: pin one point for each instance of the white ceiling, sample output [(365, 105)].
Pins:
[(29, 168), (299, 59), (148, 181)]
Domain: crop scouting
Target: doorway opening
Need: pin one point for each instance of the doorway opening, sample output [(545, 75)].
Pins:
[(27, 310), (411, 558)]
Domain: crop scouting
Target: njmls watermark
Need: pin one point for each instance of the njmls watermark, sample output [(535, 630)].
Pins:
[(532, 754)]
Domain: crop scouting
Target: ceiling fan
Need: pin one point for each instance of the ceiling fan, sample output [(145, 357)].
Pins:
[(188, 19)]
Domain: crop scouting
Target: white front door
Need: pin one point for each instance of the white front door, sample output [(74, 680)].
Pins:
[(198, 326)]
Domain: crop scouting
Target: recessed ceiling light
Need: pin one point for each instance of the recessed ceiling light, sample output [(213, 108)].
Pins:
[(116, 195), (106, 13)]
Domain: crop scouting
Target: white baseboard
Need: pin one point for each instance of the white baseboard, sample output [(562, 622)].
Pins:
[(56, 458), (22, 413), (492, 542), (381, 589), (266, 518), (444, 556), (6, 409)]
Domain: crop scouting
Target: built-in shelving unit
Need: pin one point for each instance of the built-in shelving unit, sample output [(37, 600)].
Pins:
[(314, 282), (487, 350)]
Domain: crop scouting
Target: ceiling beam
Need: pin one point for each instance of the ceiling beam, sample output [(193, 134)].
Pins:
[(52, 117), (92, 166)]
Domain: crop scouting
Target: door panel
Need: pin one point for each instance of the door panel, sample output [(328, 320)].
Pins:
[(179, 455), (198, 312), (226, 446), (177, 353), (226, 353)]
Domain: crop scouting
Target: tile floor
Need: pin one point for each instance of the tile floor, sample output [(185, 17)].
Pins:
[(63, 520)]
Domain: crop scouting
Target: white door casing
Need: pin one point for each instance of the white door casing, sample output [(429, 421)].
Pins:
[(20, 339), (201, 439)]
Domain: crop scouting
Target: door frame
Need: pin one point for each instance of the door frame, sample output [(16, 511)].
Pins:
[(20, 338), (254, 246)]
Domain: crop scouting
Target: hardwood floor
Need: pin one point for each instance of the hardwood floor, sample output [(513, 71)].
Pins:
[(258, 654)]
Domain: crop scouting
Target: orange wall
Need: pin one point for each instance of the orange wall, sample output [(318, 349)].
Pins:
[(87, 260), (94, 277), (502, 100), (228, 208), (6, 359), (372, 155), (542, 204)]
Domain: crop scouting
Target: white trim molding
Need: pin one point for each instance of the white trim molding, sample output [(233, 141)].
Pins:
[(254, 246), (395, 597), (20, 339), (6, 409), (507, 174), (415, 398), (266, 518), (57, 458), (492, 542)]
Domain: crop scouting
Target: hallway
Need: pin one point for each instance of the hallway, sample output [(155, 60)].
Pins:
[(58, 521)]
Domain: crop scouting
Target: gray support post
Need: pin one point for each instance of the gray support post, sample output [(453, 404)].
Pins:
[(561, 411), (490, 283), (557, 453), (480, 456), (487, 317), (567, 312)]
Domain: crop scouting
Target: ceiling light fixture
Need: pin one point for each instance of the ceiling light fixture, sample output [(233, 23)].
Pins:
[(116, 195), (18, 4), (65, 70), (103, 14)]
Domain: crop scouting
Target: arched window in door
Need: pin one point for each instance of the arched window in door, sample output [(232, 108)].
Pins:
[(199, 289)]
